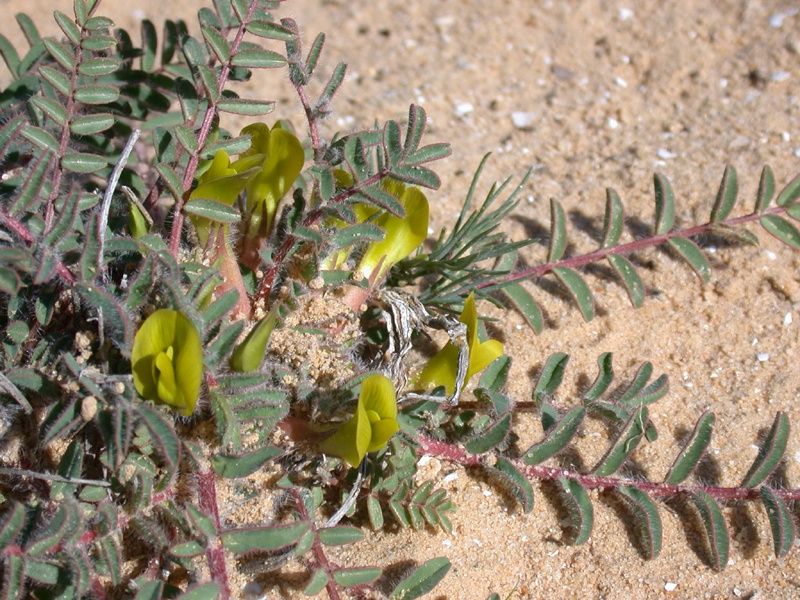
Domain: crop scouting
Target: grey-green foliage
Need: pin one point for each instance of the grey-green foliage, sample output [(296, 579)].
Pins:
[(100, 472), (75, 283)]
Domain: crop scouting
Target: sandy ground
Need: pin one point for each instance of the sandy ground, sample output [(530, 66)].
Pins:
[(610, 91)]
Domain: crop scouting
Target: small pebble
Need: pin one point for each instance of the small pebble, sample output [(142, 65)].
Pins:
[(664, 153), (670, 586), (522, 120), (762, 357), (463, 109), (787, 319), (625, 14)]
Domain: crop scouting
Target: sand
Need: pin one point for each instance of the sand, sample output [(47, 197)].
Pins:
[(591, 94)]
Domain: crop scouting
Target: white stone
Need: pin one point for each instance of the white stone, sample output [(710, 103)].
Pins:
[(522, 120)]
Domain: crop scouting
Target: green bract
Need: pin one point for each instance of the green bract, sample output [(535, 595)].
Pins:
[(371, 427), (167, 360), (402, 235), (441, 369), (248, 355)]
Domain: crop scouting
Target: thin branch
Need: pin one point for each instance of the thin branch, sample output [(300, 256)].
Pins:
[(111, 187), (458, 455), (648, 242), (51, 477)]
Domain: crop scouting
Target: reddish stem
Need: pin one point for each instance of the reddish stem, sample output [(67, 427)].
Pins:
[(316, 548), (458, 455), (598, 255), (279, 256), (207, 497), (203, 133)]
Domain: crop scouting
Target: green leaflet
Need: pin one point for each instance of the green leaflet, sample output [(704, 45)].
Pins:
[(770, 453), (646, 517), (526, 305), (781, 229), (692, 451), (726, 196), (579, 508), (780, 521), (494, 435), (356, 576), (558, 232), (716, 531), (551, 377), (557, 439), (613, 219), (242, 465), (515, 481), (766, 190), (422, 580), (626, 442), (691, 253), (630, 278), (665, 204), (578, 289), (263, 538)]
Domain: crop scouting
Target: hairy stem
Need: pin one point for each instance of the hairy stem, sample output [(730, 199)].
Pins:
[(600, 254), (207, 496), (316, 549), (458, 455), (262, 296), (204, 131)]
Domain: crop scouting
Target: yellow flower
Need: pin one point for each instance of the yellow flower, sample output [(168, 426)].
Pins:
[(441, 369), (167, 360), (402, 235), (279, 157), (220, 182), (371, 427)]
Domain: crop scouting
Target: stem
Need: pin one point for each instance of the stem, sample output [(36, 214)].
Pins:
[(316, 548), (457, 455), (207, 496), (271, 274), (203, 133), (600, 254)]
